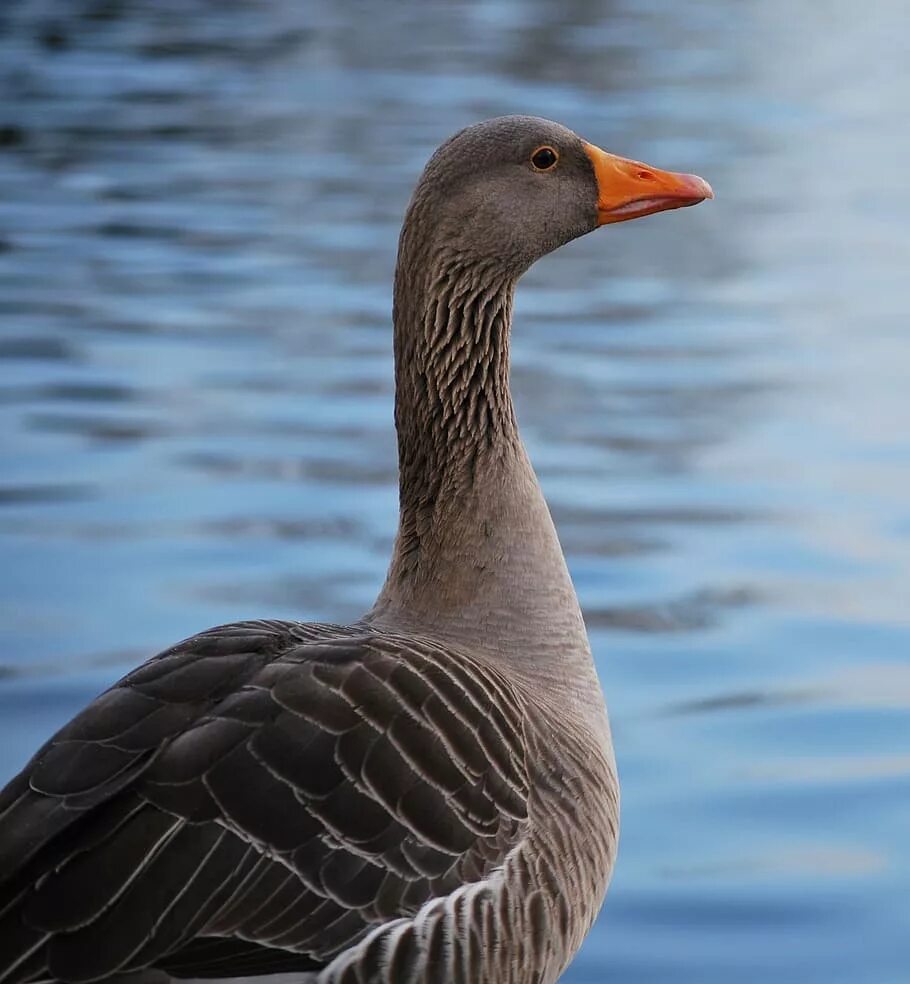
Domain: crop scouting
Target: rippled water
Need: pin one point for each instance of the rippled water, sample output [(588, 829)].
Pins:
[(199, 206)]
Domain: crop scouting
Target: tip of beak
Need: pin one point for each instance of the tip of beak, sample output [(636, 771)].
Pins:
[(697, 186)]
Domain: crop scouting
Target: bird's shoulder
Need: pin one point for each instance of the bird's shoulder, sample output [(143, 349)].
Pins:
[(342, 716), (285, 786)]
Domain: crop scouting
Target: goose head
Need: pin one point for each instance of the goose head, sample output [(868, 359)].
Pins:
[(505, 192)]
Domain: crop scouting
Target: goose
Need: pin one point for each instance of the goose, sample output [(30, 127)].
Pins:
[(427, 795)]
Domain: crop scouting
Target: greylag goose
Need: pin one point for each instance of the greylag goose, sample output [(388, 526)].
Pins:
[(427, 795)]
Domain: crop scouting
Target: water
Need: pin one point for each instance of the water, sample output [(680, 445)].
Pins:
[(199, 206)]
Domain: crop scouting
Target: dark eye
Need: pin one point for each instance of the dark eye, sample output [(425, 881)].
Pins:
[(544, 158)]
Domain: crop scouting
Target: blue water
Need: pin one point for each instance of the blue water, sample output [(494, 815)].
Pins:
[(199, 205)]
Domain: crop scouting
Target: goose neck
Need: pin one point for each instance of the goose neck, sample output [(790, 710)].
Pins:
[(476, 560)]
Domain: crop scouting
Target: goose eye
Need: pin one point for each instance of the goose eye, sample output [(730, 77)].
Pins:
[(544, 158)]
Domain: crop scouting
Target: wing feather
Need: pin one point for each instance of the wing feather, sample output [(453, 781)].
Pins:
[(260, 797)]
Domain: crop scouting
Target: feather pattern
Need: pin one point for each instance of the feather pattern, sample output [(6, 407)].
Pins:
[(328, 799)]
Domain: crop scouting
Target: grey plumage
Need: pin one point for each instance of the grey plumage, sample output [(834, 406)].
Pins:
[(305, 789), (428, 795)]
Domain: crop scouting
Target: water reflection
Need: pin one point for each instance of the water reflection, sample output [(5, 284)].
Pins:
[(199, 206)]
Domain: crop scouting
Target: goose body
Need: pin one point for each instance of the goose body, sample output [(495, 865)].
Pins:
[(427, 795)]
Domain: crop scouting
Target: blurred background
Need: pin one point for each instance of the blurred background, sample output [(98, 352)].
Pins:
[(199, 207)]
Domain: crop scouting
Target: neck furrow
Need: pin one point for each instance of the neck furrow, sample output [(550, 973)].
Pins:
[(453, 403), (476, 560)]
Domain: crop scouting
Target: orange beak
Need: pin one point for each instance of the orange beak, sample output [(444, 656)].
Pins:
[(630, 189)]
